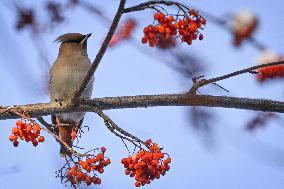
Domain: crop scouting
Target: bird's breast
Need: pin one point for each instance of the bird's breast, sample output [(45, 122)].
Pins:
[(66, 77)]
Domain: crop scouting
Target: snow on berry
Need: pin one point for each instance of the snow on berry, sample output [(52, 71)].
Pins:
[(243, 24)]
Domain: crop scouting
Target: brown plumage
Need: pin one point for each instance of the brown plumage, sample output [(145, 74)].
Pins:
[(66, 75)]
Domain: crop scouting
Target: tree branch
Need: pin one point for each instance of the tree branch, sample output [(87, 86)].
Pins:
[(48, 126), (101, 52), (203, 82), (115, 129), (107, 103), (148, 4)]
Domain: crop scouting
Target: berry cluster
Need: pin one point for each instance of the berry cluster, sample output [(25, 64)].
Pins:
[(260, 120), (124, 32), (81, 172), (27, 130), (25, 18), (146, 165), (166, 43), (55, 11), (187, 28), (270, 72)]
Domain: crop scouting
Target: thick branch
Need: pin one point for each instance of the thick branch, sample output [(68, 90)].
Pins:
[(107, 103), (101, 52)]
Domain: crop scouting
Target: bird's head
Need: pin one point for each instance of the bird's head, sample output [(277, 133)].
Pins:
[(73, 42)]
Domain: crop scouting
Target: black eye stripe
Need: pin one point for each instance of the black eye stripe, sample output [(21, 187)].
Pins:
[(75, 41)]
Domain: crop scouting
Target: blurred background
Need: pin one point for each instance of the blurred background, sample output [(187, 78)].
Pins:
[(210, 147)]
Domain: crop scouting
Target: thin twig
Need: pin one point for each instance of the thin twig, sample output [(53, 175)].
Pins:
[(114, 128), (148, 4), (204, 82), (48, 126)]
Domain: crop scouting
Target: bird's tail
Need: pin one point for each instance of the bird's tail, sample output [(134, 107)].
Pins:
[(65, 135)]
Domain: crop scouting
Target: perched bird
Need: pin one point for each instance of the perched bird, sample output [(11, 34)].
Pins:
[(66, 75)]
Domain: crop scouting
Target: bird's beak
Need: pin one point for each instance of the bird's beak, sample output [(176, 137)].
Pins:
[(86, 38)]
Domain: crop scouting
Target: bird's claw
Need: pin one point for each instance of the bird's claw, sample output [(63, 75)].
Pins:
[(59, 100)]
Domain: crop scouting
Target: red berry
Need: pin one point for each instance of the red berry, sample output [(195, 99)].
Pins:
[(200, 37), (15, 143), (103, 149), (137, 184)]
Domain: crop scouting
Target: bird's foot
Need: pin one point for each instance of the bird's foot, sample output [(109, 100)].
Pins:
[(84, 99), (59, 100)]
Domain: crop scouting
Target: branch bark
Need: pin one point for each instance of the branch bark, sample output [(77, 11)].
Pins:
[(107, 103)]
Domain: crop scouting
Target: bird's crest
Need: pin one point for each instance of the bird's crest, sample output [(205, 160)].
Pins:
[(70, 37)]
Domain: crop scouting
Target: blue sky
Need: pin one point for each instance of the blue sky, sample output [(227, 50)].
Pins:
[(238, 159)]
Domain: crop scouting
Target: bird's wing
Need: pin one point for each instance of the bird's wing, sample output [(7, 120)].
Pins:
[(50, 76)]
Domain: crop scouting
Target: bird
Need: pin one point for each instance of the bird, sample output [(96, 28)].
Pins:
[(66, 75)]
